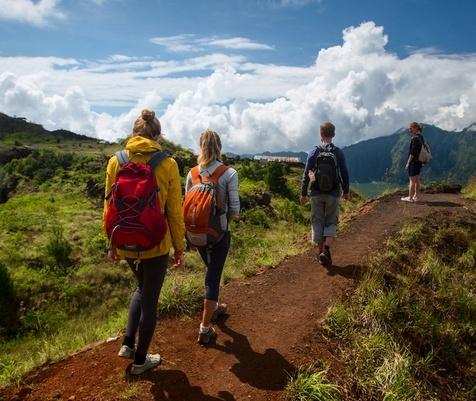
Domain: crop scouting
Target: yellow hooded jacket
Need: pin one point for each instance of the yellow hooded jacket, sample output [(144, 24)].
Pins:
[(140, 150)]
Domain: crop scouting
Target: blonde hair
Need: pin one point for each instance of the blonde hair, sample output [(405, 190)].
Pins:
[(328, 130), (147, 125), (210, 147)]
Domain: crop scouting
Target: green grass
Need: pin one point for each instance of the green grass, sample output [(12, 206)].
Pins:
[(469, 191), (407, 333), (311, 384)]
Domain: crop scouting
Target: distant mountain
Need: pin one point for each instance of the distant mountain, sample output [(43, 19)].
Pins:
[(19, 129), (384, 158)]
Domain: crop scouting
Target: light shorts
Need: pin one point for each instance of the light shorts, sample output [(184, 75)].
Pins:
[(324, 216)]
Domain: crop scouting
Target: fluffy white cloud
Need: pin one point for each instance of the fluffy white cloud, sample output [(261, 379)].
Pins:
[(189, 42), (36, 13), (360, 86)]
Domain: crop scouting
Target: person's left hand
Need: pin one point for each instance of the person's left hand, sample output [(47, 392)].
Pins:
[(112, 254)]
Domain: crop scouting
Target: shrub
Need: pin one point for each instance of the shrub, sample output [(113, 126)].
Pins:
[(275, 178), (58, 249), (257, 217), (8, 302), (289, 211)]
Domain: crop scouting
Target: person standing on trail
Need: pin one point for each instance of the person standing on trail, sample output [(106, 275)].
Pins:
[(414, 163), (143, 219), (211, 200), (326, 172)]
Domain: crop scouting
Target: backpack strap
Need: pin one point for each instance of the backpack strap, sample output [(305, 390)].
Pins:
[(122, 157), (195, 174), (219, 171), (157, 158)]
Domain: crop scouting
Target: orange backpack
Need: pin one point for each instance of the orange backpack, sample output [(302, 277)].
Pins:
[(202, 210)]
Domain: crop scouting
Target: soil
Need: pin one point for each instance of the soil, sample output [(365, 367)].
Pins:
[(268, 333)]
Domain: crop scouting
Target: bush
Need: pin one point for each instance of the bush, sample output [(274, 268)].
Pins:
[(58, 249), (8, 302), (275, 179), (257, 217), (289, 211)]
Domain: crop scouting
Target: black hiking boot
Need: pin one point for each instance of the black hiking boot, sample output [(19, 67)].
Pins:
[(325, 257), (208, 337), (220, 313)]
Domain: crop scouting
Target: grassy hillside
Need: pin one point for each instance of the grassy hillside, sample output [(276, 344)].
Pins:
[(57, 290), (384, 158), (407, 332)]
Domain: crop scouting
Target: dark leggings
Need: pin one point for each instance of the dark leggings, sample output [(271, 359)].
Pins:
[(214, 258), (150, 274)]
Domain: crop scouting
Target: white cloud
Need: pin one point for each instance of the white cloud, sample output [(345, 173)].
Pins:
[(365, 90), (37, 13), (189, 42)]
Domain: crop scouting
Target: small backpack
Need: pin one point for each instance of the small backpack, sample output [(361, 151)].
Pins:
[(134, 218), (425, 153), (326, 170), (201, 209)]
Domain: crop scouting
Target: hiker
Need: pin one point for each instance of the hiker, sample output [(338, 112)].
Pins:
[(211, 201), (414, 163), (143, 219), (327, 174)]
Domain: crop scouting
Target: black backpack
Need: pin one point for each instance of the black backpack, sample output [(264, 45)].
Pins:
[(326, 170)]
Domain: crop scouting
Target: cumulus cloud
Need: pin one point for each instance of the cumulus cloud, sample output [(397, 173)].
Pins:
[(189, 42), (35, 13), (360, 86)]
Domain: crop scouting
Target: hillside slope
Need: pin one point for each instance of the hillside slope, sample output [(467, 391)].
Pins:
[(269, 333)]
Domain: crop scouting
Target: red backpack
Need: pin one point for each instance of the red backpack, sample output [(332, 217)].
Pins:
[(134, 218), (202, 211)]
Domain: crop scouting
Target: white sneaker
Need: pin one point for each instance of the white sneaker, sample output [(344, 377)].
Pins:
[(415, 199), (126, 352), (151, 361), (406, 199)]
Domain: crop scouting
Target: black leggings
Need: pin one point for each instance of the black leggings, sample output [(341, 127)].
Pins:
[(214, 259), (150, 274)]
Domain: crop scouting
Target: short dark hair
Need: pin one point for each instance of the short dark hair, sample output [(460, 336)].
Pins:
[(416, 126), (328, 130)]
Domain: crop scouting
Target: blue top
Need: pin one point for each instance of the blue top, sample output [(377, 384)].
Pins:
[(311, 163)]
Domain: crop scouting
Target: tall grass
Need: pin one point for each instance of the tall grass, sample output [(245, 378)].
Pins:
[(408, 331), (311, 384)]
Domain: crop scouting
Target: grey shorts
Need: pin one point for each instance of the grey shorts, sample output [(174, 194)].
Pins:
[(324, 216)]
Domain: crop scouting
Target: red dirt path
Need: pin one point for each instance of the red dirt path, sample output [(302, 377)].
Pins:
[(272, 317)]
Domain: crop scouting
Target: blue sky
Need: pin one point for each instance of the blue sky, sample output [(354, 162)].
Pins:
[(96, 62), (94, 29)]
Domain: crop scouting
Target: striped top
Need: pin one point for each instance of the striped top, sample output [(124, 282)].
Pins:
[(227, 188)]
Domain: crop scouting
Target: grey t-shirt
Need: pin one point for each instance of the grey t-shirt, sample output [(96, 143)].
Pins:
[(227, 189)]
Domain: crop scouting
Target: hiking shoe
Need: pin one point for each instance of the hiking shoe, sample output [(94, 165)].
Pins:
[(220, 311), (406, 199), (325, 258), (126, 352), (151, 361), (208, 337)]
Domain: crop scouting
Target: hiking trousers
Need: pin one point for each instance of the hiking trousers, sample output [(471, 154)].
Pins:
[(150, 274), (214, 258), (324, 216)]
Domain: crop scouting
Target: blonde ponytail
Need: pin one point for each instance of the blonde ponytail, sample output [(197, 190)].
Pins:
[(210, 148)]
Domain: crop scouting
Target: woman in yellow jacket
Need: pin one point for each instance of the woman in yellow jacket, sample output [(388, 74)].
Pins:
[(151, 268)]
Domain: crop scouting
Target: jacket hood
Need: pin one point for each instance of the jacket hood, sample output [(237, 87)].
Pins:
[(140, 144)]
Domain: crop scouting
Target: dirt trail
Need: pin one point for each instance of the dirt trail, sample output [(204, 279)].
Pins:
[(271, 317)]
